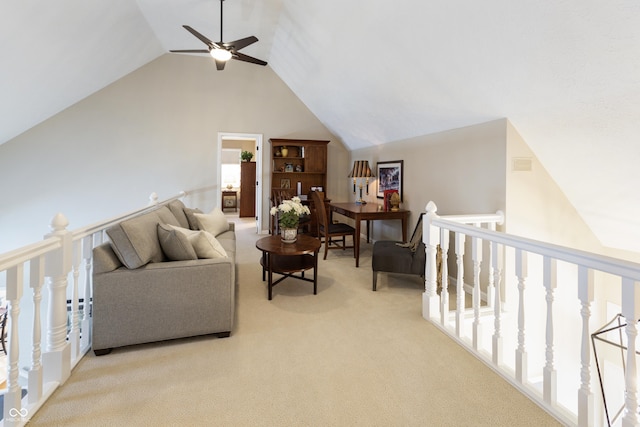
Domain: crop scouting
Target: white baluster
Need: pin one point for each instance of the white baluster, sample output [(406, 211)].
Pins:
[(476, 255), (87, 254), (13, 396), (430, 237), (585, 396), (444, 273), (631, 312), (491, 285), (550, 281), (521, 352), (57, 358), (460, 306), (497, 306), (35, 378), (74, 332)]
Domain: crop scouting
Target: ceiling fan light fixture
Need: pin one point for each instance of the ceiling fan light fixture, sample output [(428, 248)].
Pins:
[(220, 54)]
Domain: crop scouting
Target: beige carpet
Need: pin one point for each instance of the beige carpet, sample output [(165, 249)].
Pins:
[(347, 356)]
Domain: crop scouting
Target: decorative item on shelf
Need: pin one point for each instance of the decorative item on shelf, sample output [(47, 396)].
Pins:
[(277, 153), (246, 156), (298, 168), (284, 151), (288, 214), (360, 170), (229, 186), (288, 167)]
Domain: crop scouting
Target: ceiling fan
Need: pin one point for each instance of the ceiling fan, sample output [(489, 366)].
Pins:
[(223, 51)]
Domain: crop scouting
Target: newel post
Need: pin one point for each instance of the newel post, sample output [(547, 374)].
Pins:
[(57, 357), (153, 199), (430, 309)]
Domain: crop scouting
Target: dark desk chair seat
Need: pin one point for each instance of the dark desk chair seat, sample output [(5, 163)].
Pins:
[(398, 257)]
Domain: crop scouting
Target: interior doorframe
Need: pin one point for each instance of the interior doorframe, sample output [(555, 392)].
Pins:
[(257, 137)]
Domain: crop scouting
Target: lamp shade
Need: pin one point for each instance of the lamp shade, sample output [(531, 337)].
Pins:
[(360, 169)]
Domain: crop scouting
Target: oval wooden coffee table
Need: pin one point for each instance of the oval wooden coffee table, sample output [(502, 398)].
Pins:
[(289, 258)]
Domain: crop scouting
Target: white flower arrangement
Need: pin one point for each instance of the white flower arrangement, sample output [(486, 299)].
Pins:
[(290, 212)]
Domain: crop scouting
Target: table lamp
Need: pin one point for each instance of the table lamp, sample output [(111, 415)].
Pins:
[(360, 170)]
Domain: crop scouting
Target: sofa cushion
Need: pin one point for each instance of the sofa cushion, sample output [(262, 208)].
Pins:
[(135, 241), (204, 243), (177, 209), (175, 245), (213, 222), (228, 242), (191, 218)]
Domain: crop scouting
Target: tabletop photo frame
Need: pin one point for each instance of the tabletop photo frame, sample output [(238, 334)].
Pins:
[(389, 177)]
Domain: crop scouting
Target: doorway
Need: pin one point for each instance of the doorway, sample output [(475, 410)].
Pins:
[(243, 142)]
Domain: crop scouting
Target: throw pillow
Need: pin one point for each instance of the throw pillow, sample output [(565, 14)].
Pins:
[(191, 218), (174, 244), (213, 222), (203, 242)]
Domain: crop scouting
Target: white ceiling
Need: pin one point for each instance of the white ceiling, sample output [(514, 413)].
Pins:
[(565, 73)]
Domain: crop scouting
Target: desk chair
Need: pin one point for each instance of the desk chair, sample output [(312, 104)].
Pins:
[(398, 257), (328, 230)]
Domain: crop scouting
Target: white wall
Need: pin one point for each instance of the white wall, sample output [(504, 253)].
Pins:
[(461, 170), (153, 130)]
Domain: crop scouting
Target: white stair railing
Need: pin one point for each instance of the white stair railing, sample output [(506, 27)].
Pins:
[(527, 340), (54, 270)]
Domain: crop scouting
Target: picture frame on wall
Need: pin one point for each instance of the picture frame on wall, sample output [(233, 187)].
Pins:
[(389, 177)]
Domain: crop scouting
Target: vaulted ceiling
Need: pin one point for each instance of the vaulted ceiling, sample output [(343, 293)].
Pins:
[(565, 73)]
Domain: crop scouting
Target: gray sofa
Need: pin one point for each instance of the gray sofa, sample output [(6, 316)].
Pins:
[(141, 295)]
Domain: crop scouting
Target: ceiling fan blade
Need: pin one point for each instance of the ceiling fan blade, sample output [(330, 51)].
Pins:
[(239, 44), (202, 38), (246, 58), (220, 64), (190, 51)]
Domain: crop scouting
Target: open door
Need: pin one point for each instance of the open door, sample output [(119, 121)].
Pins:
[(241, 139)]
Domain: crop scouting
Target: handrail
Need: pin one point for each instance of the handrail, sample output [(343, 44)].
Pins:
[(497, 218), (603, 263), (94, 228), (25, 253)]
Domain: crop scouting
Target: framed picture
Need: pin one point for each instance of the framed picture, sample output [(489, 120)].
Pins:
[(285, 183), (389, 177)]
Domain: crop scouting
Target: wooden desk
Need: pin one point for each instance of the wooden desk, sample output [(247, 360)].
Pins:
[(368, 212)]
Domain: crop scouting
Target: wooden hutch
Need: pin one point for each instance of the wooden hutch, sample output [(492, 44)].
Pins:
[(298, 166)]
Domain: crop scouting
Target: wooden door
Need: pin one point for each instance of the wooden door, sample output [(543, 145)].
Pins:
[(247, 189)]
